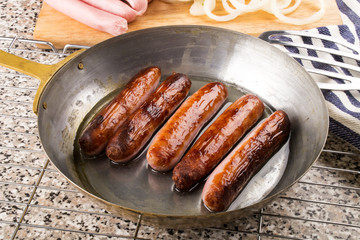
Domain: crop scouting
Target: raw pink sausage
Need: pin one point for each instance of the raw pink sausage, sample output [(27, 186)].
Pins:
[(91, 16), (138, 5), (115, 7)]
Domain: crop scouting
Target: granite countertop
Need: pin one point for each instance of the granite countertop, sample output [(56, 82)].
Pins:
[(38, 203)]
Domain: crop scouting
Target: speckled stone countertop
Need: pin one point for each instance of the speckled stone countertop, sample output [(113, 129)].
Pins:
[(38, 203)]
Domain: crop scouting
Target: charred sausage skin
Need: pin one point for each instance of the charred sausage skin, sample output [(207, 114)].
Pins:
[(171, 142), (216, 141), (235, 171), (103, 126), (140, 126)]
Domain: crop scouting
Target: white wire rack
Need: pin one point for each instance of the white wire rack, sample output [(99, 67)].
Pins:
[(37, 202)]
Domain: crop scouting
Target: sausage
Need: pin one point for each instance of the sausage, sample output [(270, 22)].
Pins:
[(127, 9), (216, 141), (115, 7), (91, 16), (235, 171), (173, 139), (104, 125), (140, 126), (140, 6)]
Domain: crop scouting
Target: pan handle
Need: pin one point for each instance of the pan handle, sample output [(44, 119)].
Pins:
[(43, 72)]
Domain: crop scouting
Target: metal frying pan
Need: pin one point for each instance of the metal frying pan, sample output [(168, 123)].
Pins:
[(245, 64)]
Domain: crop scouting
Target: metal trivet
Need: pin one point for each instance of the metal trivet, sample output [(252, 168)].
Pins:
[(38, 202)]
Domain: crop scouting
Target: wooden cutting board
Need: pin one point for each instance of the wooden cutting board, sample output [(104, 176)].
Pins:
[(60, 30)]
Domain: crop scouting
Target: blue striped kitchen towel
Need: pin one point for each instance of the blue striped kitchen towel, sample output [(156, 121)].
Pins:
[(344, 106)]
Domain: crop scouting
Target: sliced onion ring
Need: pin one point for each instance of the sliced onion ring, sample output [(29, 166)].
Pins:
[(229, 9), (287, 10), (252, 6), (207, 7), (276, 7), (296, 21)]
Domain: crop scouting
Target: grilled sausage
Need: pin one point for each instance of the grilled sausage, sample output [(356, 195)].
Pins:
[(140, 126), (216, 141), (235, 171), (103, 126), (174, 138)]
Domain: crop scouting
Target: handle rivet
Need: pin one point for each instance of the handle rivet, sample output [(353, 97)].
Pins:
[(80, 66), (44, 105)]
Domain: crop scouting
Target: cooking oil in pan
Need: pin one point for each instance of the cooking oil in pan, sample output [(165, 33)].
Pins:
[(136, 186)]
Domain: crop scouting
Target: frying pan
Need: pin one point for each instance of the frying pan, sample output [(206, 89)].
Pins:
[(73, 90)]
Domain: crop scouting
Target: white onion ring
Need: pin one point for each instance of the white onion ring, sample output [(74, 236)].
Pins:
[(197, 9), (227, 7), (295, 21), (279, 10), (285, 9), (232, 15), (252, 6), (285, 4)]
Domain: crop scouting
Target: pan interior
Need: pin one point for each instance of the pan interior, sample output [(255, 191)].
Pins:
[(136, 185), (244, 63)]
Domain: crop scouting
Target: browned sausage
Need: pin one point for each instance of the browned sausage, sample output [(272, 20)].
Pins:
[(174, 138), (140, 126), (235, 171), (103, 126), (216, 141)]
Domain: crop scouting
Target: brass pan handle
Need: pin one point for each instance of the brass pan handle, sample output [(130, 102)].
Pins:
[(43, 72)]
